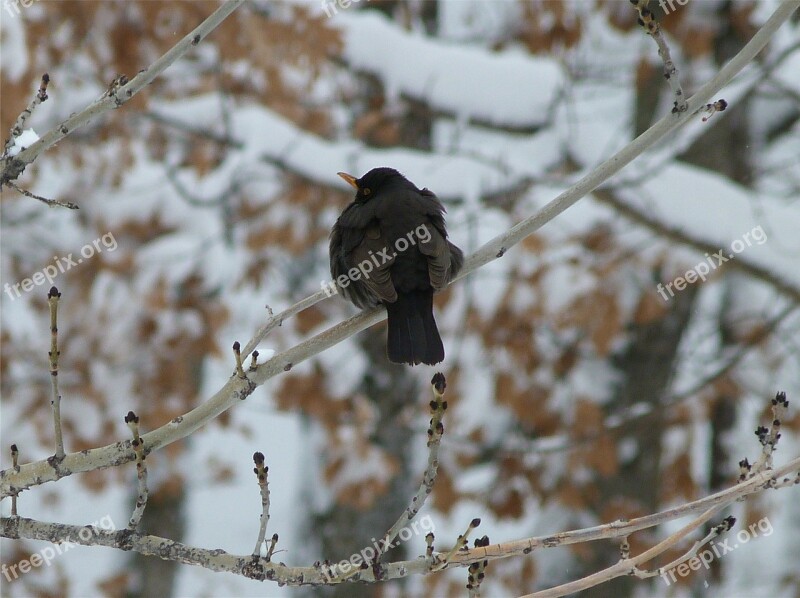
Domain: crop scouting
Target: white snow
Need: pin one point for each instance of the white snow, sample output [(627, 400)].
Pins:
[(23, 141), (504, 88)]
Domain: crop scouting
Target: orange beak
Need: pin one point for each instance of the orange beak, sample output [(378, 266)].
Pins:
[(350, 179)]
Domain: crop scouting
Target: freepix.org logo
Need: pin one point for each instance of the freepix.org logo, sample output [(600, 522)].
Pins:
[(60, 266), (718, 550), (377, 259), (702, 269), (46, 555), (331, 7), (367, 555)]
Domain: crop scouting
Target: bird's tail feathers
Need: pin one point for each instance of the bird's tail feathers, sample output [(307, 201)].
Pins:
[(413, 335)]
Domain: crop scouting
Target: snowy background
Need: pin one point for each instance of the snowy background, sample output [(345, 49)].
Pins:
[(218, 185)]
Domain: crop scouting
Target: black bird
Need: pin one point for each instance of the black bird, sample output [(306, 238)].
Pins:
[(390, 246)]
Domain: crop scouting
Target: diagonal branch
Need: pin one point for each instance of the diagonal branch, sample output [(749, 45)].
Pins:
[(649, 23), (435, 432), (626, 566), (40, 97)]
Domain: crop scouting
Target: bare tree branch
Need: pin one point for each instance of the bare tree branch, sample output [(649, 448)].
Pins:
[(261, 472), (141, 472), (116, 96), (219, 560), (435, 432), (16, 130), (630, 566), (52, 298), (50, 202), (648, 21)]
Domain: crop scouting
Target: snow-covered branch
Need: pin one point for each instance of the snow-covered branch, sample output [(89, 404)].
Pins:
[(19, 124)]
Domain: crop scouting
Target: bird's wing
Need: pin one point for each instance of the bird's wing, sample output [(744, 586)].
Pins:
[(433, 244), (357, 242), (342, 242), (436, 248), (373, 257), (456, 260)]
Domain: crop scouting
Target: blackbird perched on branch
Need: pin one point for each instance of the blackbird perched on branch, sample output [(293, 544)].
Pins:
[(390, 246)]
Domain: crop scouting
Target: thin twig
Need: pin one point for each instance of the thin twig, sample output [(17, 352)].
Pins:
[(261, 472), (52, 298), (19, 124), (253, 362), (277, 320), (725, 526), (237, 354), (461, 544), (648, 21), (435, 432), (141, 472), (50, 202), (273, 543), (768, 437), (15, 465)]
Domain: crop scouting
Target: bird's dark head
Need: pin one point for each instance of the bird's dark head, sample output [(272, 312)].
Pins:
[(377, 179)]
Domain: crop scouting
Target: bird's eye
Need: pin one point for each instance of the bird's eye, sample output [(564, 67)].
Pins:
[(366, 190)]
